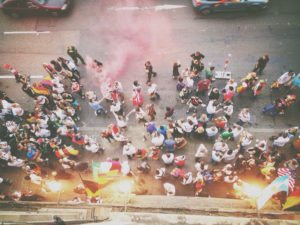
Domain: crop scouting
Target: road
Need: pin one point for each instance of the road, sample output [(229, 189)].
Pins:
[(123, 37)]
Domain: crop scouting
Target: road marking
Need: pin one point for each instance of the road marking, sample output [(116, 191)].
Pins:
[(155, 8), (26, 32), (250, 129), (13, 77)]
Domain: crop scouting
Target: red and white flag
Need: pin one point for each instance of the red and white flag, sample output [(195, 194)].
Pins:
[(285, 171)]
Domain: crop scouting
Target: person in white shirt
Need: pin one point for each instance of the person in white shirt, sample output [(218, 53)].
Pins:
[(231, 83), (168, 158), (160, 173), (187, 179), (35, 179), (281, 140), (5, 104), (189, 82), (187, 127), (140, 114), (227, 169), (42, 132), (91, 145), (244, 117), (285, 78), (245, 140), (228, 110), (220, 146), (193, 118), (237, 130), (152, 91), (157, 139), (121, 120), (116, 107), (216, 156), (230, 179), (17, 110), (230, 155), (201, 152), (261, 145), (129, 150), (201, 166), (15, 162), (211, 109), (211, 132), (11, 126), (169, 189)]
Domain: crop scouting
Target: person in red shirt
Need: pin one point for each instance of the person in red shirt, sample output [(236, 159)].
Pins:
[(203, 86), (228, 95)]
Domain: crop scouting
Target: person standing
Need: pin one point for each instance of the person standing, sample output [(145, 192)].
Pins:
[(176, 73), (149, 71), (73, 53), (196, 58), (129, 150), (261, 64), (203, 86), (151, 112), (244, 117)]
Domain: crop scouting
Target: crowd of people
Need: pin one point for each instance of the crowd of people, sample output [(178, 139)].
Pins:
[(35, 140)]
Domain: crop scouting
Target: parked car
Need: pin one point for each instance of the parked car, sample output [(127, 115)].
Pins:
[(206, 7), (19, 8)]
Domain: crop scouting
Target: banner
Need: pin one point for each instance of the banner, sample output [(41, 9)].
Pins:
[(278, 185)]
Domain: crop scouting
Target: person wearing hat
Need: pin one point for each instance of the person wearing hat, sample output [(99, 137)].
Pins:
[(73, 53)]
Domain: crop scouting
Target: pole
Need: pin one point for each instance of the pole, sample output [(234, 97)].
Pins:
[(58, 199), (126, 201)]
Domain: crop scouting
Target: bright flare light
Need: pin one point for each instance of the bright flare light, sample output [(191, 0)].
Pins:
[(125, 186), (54, 186), (251, 191)]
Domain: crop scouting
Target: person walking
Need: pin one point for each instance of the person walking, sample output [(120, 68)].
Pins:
[(176, 73), (261, 64), (149, 71), (73, 53)]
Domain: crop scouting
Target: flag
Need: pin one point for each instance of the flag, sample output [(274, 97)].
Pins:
[(92, 188), (292, 200), (279, 184), (285, 171), (103, 172)]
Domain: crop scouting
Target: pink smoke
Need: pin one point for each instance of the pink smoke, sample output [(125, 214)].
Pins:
[(130, 37)]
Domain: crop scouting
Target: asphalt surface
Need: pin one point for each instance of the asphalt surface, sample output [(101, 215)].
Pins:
[(124, 39)]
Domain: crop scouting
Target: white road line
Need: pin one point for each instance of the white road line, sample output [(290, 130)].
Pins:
[(26, 32), (250, 129), (155, 8), (13, 77)]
